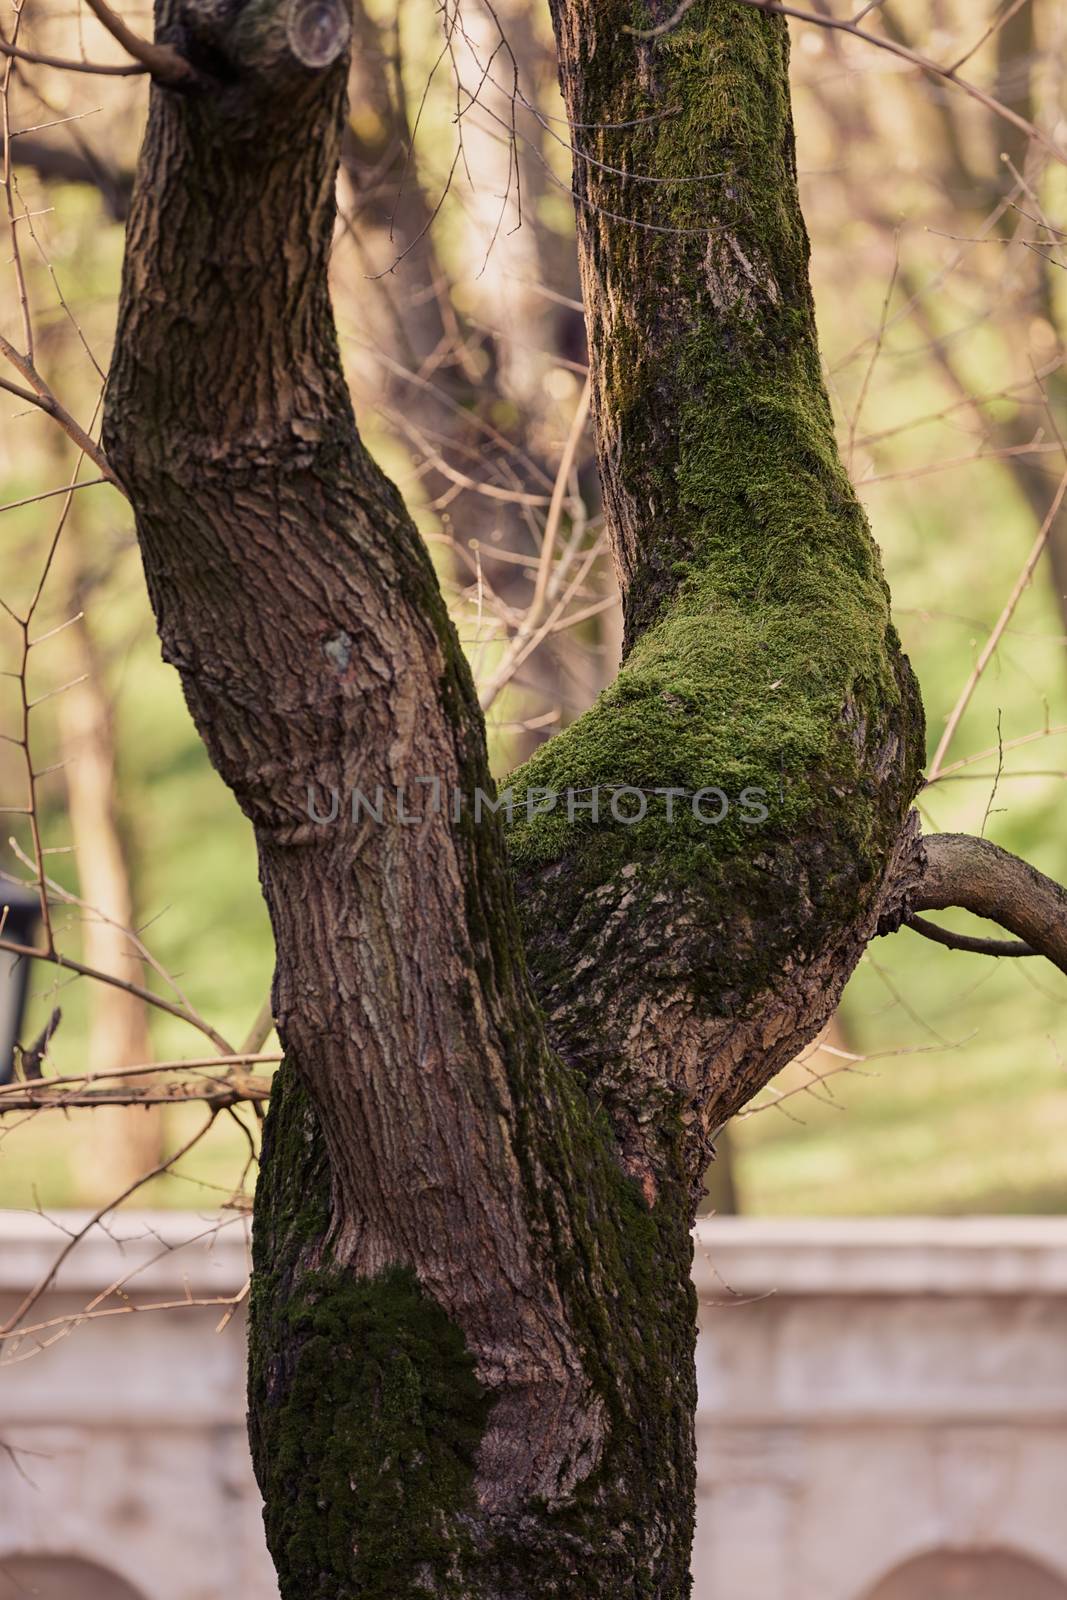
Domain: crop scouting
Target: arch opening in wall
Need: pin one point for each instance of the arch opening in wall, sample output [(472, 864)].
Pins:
[(48, 1577), (994, 1574)]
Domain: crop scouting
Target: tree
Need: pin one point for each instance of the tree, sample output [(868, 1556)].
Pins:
[(508, 1051)]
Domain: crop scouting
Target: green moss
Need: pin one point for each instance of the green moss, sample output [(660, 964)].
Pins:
[(372, 1448), (721, 692), (366, 1413), (762, 655), (624, 1270)]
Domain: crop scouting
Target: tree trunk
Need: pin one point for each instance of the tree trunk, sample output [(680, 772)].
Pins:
[(472, 1324), (126, 1142)]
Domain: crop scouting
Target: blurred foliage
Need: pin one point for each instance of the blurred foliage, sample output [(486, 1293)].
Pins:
[(961, 1104)]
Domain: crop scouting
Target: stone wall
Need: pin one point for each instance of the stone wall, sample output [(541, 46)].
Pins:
[(125, 1432), (883, 1409), (883, 1412)]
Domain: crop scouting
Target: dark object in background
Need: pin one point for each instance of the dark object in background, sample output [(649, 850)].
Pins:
[(83, 164), (34, 1054), (20, 926)]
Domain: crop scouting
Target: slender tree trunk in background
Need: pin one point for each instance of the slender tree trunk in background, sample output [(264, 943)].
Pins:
[(1030, 281), (123, 1143), (472, 1324), (468, 384), (1016, 65)]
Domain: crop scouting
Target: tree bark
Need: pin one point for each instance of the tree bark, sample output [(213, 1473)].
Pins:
[(472, 1324), (683, 965)]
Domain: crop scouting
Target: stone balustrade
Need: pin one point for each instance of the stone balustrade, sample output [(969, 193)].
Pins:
[(883, 1412)]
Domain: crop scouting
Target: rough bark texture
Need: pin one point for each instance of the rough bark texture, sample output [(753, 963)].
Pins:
[(472, 1325), (682, 964)]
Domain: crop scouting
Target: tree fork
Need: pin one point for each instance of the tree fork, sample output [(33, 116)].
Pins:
[(471, 1340), (683, 965), (472, 1324)]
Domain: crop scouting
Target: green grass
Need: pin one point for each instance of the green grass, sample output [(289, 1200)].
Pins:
[(977, 1126)]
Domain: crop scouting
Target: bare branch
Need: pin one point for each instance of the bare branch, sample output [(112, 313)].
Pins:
[(519, 647), (39, 394), (994, 27), (664, 27), (963, 941), (260, 1031), (149, 1068), (933, 69), (9, 196), (45, 494), (218, 1094), (33, 58), (148, 995), (162, 60), (45, 1283), (978, 876)]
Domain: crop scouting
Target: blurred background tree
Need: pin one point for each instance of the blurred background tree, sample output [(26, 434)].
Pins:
[(939, 273)]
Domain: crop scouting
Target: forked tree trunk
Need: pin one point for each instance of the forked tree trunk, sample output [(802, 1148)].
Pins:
[(472, 1325)]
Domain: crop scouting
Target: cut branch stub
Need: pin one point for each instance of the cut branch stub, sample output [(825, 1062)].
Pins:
[(962, 941), (234, 54), (317, 30)]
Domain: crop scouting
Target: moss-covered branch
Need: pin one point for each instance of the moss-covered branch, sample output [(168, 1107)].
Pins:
[(683, 963)]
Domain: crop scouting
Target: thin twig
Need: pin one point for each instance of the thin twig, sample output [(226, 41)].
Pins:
[(35, 59), (963, 941), (9, 194), (155, 1068), (164, 63), (994, 27), (664, 27), (220, 1094), (1021, 583), (148, 995), (519, 647), (933, 69), (39, 394), (46, 494), (30, 1299)]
